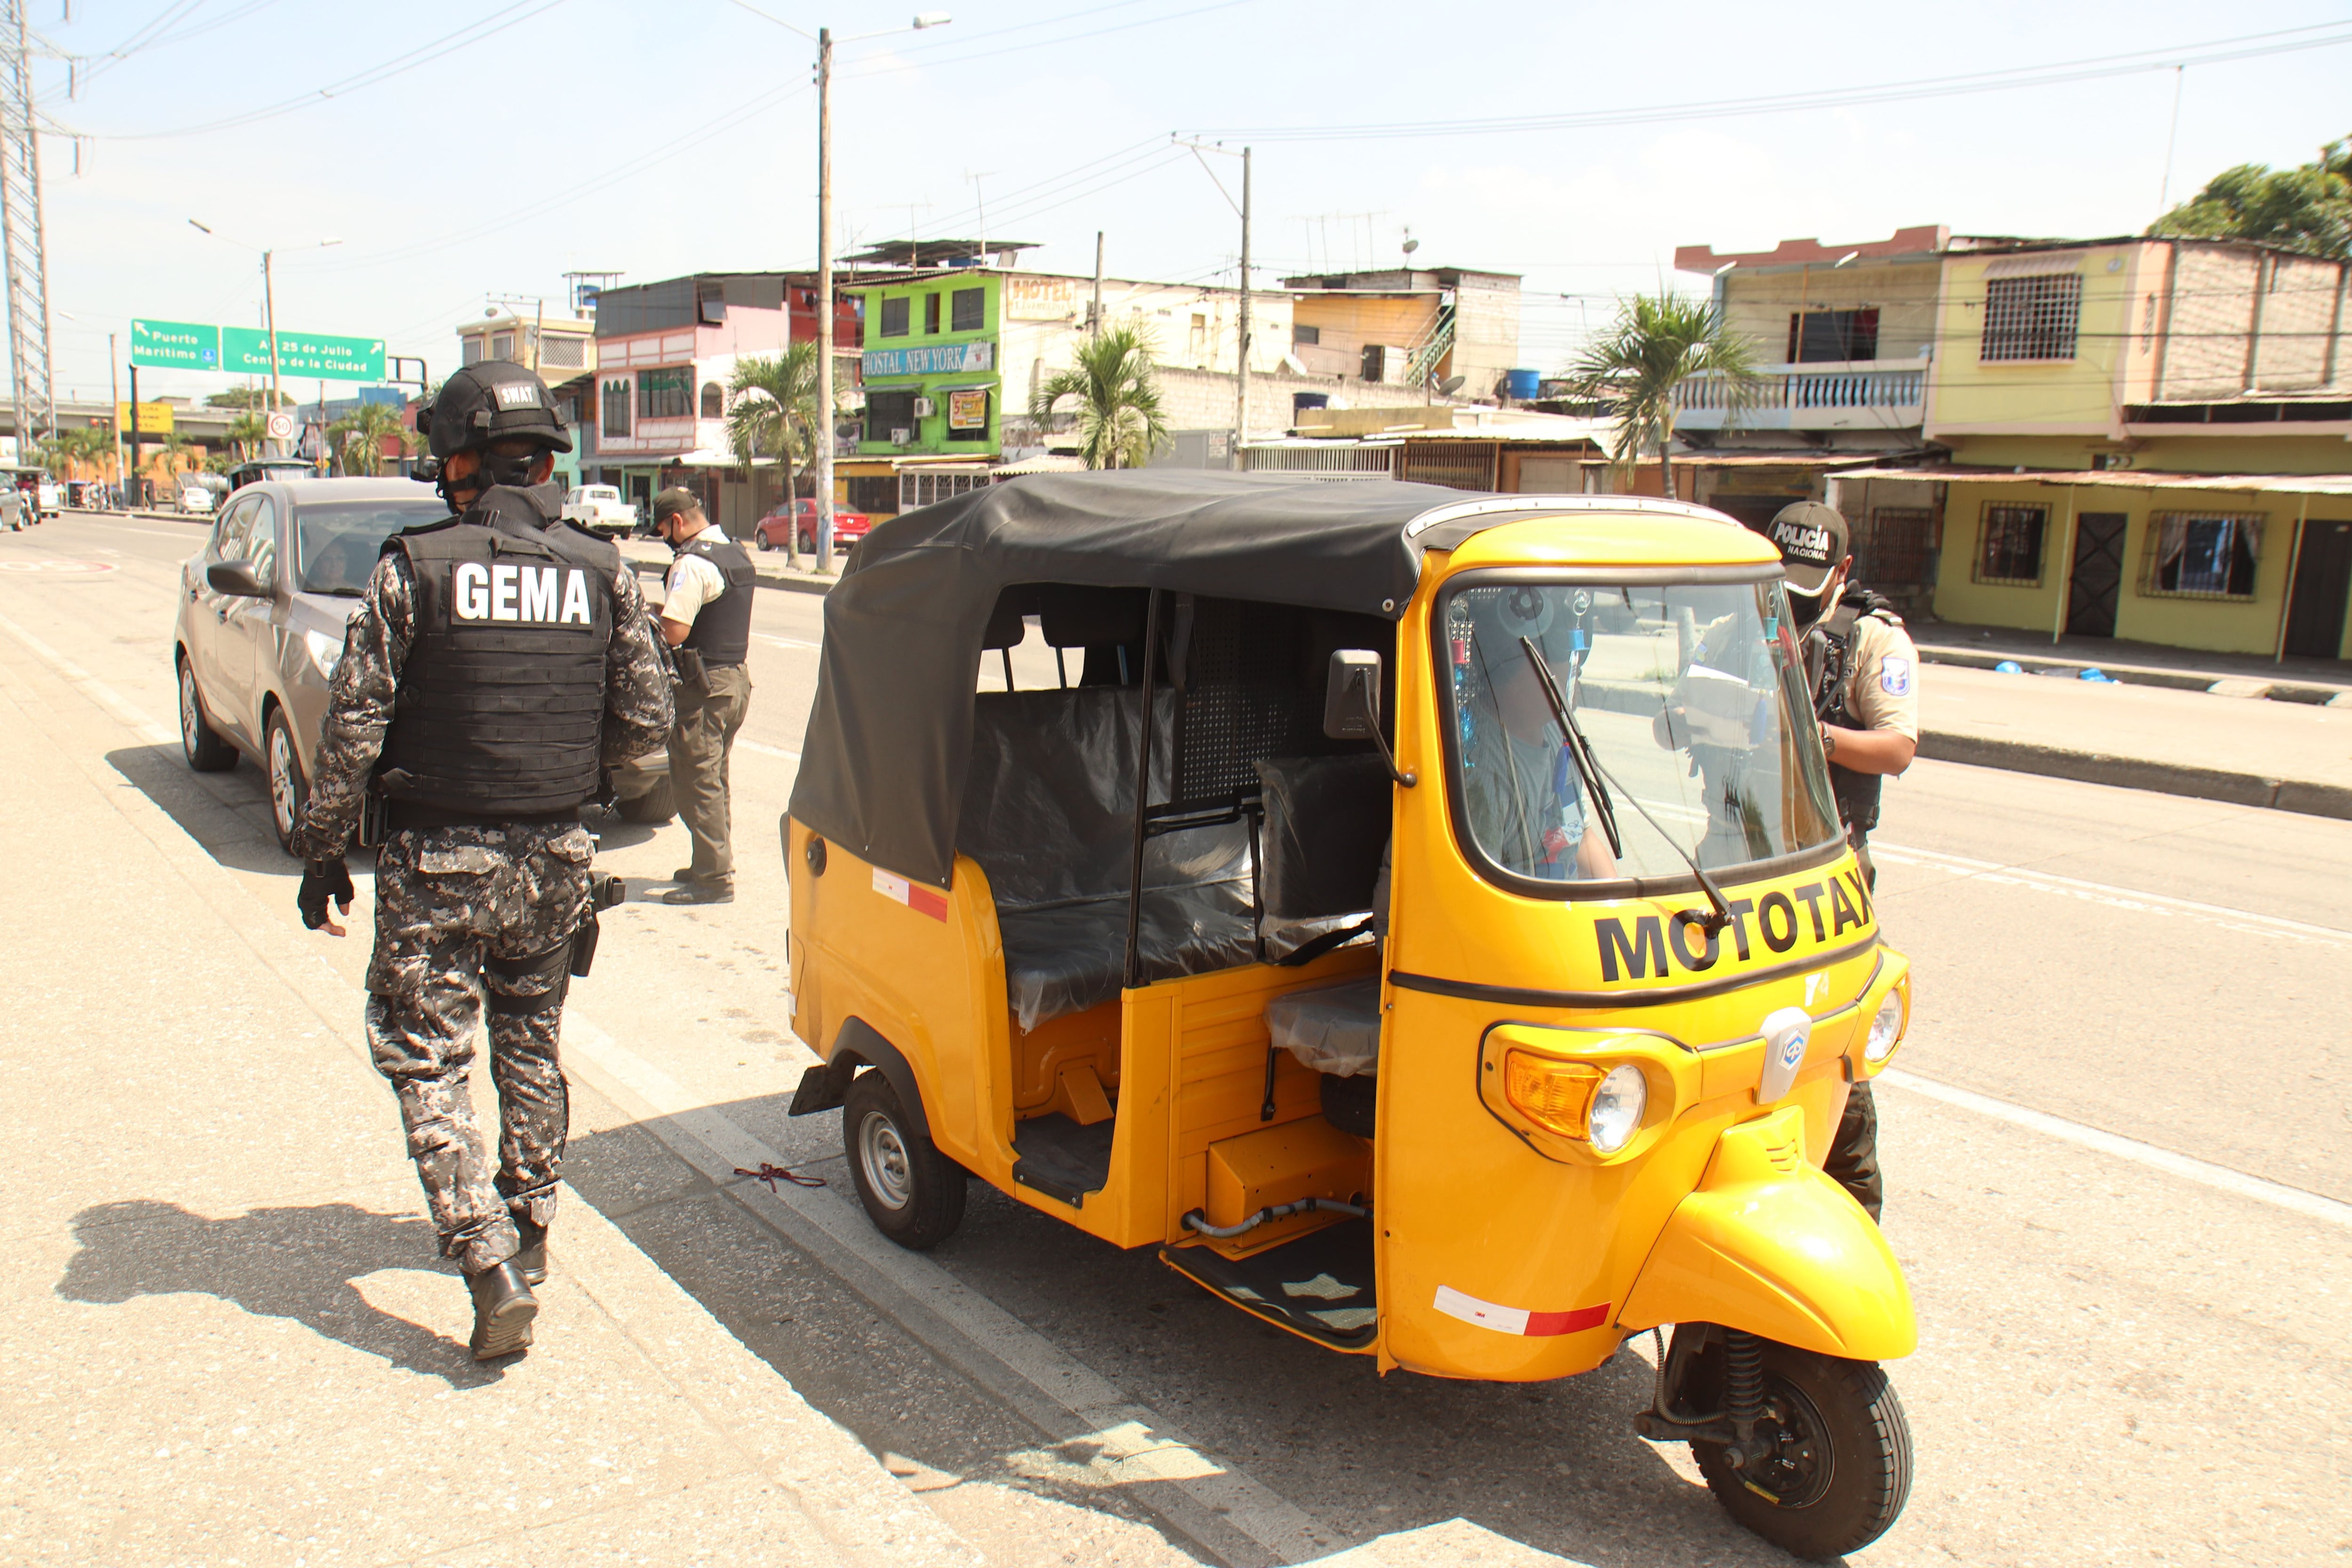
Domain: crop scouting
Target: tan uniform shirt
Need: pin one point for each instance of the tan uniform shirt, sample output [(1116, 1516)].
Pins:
[(1882, 690), (693, 583)]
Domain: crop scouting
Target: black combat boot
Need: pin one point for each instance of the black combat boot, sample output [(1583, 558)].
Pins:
[(503, 1310), (532, 1256)]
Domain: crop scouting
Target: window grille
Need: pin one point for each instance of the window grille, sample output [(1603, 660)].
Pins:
[(563, 352), (2008, 545), (616, 406), (664, 394), (970, 310), (894, 318), (1898, 547), (2031, 318), (918, 489), (1464, 465), (2201, 555)]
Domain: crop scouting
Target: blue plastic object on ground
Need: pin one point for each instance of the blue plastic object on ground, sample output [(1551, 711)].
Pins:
[(2008, 667), (2101, 676)]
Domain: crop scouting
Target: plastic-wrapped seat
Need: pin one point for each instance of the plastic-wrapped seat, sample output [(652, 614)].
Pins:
[(1334, 1029), (1327, 821)]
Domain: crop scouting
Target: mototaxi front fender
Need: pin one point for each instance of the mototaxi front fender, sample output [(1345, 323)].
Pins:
[(1770, 1245)]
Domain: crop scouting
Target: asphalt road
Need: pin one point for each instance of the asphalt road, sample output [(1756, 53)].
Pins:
[(2117, 1152)]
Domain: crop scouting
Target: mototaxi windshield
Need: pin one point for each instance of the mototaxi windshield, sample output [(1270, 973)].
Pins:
[(1691, 697)]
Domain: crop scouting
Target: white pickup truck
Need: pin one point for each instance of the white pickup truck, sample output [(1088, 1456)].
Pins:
[(600, 510)]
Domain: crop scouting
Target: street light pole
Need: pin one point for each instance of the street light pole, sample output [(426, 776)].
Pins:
[(269, 315), (825, 306), (1241, 366)]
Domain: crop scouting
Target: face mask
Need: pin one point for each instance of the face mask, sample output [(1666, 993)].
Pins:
[(508, 468), (1805, 610)]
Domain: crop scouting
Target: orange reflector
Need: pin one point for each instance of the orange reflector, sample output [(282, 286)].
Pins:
[(1552, 1093)]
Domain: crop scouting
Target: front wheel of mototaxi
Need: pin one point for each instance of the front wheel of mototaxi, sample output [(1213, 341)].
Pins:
[(1829, 1469)]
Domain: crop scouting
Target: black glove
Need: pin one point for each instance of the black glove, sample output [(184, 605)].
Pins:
[(322, 880)]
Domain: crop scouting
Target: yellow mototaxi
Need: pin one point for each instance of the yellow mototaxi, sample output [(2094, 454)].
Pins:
[(1422, 917)]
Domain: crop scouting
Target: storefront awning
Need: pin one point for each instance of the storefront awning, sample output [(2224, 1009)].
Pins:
[(2119, 479)]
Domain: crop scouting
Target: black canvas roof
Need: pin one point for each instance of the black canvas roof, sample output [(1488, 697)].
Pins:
[(883, 765)]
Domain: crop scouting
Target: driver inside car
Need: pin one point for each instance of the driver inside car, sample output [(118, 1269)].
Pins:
[(1521, 791)]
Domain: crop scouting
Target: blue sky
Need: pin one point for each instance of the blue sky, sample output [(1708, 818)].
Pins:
[(661, 139)]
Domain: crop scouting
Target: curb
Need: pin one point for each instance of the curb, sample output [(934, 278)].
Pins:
[(2298, 795), (2143, 675), (786, 581)]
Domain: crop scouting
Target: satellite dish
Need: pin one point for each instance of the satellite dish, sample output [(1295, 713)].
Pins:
[(1450, 385), (1410, 246)]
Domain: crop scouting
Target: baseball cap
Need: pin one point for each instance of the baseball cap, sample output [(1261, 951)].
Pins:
[(1811, 540), (678, 499)]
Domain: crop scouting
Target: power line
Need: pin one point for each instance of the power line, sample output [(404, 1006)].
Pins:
[(2091, 69)]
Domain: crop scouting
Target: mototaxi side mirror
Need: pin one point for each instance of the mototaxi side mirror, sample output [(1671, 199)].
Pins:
[(236, 578), (1351, 696), (1352, 704)]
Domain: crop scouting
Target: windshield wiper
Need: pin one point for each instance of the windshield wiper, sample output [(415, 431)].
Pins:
[(1588, 759)]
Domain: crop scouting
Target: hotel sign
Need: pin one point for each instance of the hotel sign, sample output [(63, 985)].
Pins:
[(945, 359)]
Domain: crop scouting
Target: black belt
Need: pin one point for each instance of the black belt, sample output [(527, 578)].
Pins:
[(400, 815)]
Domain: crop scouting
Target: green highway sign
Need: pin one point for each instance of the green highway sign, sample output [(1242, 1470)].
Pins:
[(181, 345), (245, 350)]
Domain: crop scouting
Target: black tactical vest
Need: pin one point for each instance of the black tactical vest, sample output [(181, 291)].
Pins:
[(500, 706), (1829, 655), (722, 628)]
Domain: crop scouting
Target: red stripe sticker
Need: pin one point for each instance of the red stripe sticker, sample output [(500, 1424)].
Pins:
[(921, 899)]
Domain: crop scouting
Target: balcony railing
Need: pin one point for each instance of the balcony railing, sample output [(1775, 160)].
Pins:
[(1845, 393)]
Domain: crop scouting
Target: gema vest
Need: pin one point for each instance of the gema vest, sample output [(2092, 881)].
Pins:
[(501, 705), (1857, 793), (721, 632)]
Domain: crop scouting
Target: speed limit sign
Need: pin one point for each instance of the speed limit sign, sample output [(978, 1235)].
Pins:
[(281, 426)]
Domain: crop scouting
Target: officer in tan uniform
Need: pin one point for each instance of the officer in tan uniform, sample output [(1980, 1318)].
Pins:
[(1865, 676)]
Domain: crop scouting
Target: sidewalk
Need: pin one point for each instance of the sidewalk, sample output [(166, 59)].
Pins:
[(228, 1336), (2312, 680), (652, 558)]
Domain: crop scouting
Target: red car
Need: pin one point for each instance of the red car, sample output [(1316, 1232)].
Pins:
[(848, 526)]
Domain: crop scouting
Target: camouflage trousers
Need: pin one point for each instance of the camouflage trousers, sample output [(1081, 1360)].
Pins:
[(465, 916)]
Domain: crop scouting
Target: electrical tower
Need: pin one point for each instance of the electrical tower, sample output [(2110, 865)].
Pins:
[(21, 236)]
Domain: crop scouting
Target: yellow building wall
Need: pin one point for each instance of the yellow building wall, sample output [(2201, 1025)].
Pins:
[(2046, 396), (2316, 454), (2217, 626)]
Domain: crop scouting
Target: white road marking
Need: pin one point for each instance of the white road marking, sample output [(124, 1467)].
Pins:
[(2202, 1171), (765, 750), (788, 642), (1998, 874), (128, 712)]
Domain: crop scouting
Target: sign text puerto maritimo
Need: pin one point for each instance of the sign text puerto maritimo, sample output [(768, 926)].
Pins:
[(245, 350)]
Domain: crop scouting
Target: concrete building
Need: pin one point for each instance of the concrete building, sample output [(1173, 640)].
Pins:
[(1409, 328)]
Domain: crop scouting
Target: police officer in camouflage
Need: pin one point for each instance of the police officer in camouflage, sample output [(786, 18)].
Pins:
[(500, 662), (1864, 671)]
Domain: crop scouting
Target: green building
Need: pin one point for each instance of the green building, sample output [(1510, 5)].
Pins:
[(931, 365)]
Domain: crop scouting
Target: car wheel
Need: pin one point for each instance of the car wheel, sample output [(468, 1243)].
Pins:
[(658, 803), (767, 540), (199, 741), (289, 790), (912, 1193)]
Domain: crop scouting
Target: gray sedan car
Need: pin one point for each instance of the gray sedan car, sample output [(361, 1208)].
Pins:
[(263, 609)]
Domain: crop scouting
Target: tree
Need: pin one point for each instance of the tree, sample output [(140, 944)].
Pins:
[(772, 412), (1120, 423), (246, 432), (2307, 209), (357, 438), (1658, 342), (81, 446), (247, 397)]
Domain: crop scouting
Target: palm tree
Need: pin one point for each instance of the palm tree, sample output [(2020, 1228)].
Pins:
[(245, 432), (1658, 342), (357, 438), (771, 411), (1120, 423)]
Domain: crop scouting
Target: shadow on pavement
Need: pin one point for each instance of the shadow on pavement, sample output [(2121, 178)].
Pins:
[(292, 1263), (1555, 1464), (210, 808)]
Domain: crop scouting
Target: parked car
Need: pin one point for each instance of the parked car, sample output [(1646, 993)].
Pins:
[(848, 526), (600, 510), (263, 609), (35, 490), (16, 514), (193, 494)]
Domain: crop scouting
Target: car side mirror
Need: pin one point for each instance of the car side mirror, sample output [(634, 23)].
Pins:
[(1352, 704), (236, 578)]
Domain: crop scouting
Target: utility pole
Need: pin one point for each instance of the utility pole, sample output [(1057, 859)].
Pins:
[(132, 480), (269, 314), (114, 397), (1093, 312), (22, 235), (1241, 363), (825, 306)]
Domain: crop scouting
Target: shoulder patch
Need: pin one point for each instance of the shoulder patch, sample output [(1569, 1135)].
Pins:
[(1895, 676)]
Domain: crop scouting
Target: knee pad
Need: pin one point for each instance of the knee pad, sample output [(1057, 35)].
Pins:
[(520, 987)]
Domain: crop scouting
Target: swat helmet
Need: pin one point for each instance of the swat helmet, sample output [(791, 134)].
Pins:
[(490, 402)]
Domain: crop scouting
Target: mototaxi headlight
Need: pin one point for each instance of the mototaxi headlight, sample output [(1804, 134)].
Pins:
[(1617, 1107), (325, 651), (1885, 1028)]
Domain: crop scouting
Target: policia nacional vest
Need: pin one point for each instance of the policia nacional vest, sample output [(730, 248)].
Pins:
[(722, 628), (1857, 794), (501, 702)]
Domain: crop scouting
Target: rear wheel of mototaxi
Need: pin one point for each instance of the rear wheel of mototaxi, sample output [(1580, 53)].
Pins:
[(1838, 1468), (912, 1193)]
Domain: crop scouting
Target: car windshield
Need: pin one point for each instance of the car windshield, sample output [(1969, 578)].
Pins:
[(1691, 699), (340, 540)]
